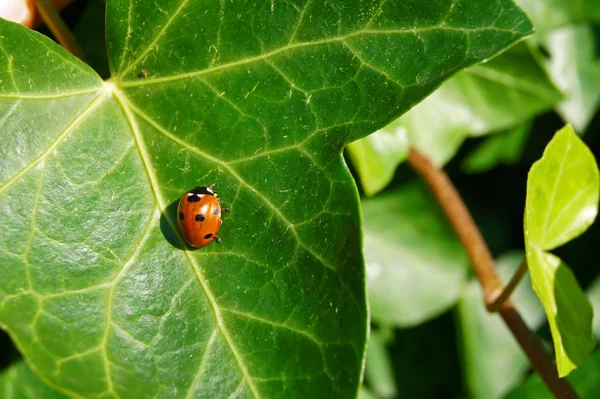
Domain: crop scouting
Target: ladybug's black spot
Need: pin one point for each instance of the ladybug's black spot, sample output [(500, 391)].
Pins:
[(215, 211), (202, 190), (181, 215), (193, 198), (207, 236), (199, 217)]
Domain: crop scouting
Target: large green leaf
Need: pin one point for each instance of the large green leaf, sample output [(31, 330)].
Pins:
[(415, 264), (96, 287), (575, 68), (19, 382), (562, 201), (502, 93), (493, 360), (547, 14)]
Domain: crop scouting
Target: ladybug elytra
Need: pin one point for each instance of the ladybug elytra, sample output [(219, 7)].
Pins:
[(199, 216)]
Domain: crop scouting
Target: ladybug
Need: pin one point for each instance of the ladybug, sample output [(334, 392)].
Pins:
[(199, 216)]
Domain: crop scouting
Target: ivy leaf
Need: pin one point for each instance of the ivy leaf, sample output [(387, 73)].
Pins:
[(584, 380), (593, 292), (377, 156), (415, 263), (562, 201), (472, 103), (379, 372), (18, 382), (575, 68), (97, 289), (500, 148), (555, 13)]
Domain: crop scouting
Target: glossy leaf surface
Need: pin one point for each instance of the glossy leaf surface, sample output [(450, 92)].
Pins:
[(562, 201), (415, 264), (18, 382), (96, 287), (575, 68), (504, 92)]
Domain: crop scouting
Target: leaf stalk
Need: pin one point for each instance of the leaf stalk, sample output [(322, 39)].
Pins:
[(482, 262), (503, 296), (59, 29)]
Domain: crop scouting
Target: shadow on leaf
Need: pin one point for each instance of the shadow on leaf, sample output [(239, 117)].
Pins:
[(170, 214), (573, 315)]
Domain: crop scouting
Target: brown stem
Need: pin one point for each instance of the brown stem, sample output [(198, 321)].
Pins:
[(59, 29), (481, 260), (495, 305)]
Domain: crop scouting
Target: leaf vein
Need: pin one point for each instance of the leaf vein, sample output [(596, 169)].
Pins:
[(210, 342), (284, 49), (110, 302), (127, 110), (158, 36), (87, 110)]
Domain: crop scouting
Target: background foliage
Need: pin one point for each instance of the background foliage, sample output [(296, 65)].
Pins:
[(557, 82)]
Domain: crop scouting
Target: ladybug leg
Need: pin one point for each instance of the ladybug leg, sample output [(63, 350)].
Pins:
[(213, 186), (217, 239), (225, 209)]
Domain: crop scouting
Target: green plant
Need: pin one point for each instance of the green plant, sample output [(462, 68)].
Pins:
[(97, 289)]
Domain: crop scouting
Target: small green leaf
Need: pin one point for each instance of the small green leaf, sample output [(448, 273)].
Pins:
[(493, 360), (379, 372), (547, 14), (593, 293), (562, 201), (377, 156), (562, 192), (575, 69), (415, 264), (499, 94), (501, 148), (585, 381), (19, 382)]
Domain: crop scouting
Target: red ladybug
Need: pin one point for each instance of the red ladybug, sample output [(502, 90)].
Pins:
[(199, 216)]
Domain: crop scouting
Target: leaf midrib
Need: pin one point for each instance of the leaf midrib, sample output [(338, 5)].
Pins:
[(358, 33), (132, 109), (127, 113)]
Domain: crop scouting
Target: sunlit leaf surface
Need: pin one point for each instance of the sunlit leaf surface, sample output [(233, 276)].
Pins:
[(18, 382), (96, 287), (562, 201)]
